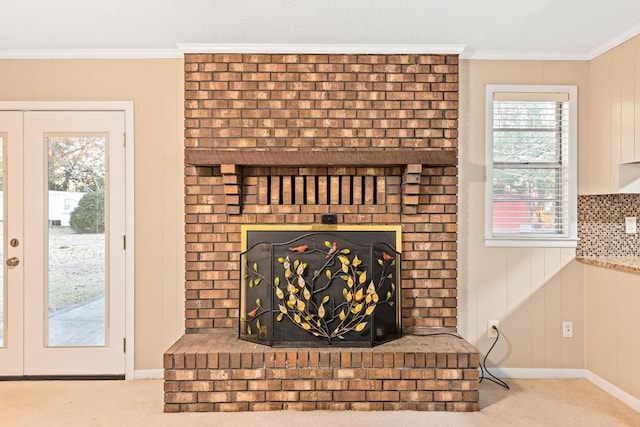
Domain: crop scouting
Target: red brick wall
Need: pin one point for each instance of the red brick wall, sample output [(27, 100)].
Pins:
[(321, 102)]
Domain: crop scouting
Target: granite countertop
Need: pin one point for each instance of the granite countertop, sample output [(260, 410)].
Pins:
[(629, 264)]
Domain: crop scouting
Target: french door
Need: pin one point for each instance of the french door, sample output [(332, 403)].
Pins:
[(62, 255)]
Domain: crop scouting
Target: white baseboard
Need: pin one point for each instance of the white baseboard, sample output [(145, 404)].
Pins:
[(540, 373), (534, 373), (615, 391), (144, 374)]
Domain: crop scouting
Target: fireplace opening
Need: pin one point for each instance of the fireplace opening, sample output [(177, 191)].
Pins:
[(320, 286)]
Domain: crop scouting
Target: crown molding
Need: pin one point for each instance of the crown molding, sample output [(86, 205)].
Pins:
[(615, 41), (89, 53), (293, 48), (453, 49), (554, 56), (525, 56)]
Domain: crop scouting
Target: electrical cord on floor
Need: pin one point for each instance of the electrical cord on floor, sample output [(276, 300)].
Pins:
[(483, 365)]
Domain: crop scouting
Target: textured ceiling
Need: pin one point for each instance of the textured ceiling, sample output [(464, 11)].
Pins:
[(572, 29)]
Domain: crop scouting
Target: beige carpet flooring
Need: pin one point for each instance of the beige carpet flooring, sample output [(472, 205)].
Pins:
[(139, 403)]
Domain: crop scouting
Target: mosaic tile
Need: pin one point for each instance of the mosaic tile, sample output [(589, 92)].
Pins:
[(601, 225)]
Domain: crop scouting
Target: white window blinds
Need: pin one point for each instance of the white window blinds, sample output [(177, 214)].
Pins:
[(530, 166)]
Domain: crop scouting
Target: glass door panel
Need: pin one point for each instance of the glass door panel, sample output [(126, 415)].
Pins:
[(76, 274), (3, 290), (11, 243), (62, 261), (74, 228)]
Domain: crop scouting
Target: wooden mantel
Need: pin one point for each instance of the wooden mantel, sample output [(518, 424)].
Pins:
[(351, 157), (231, 163)]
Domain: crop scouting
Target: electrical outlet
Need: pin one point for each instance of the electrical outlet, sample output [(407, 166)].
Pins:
[(492, 333), (567, 329), (630, 225)]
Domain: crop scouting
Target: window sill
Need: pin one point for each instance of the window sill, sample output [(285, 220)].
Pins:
[(531, 243)]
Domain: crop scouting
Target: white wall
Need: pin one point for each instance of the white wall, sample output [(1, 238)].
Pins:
[(613, 318), (613, 343), (156, 88), (530, 291)]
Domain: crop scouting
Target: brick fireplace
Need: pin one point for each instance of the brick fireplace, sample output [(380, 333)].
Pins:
[(282, 139)]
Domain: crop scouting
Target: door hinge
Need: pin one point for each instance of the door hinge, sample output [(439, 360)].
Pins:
[(124, 345), (124, 139), (124, 242)]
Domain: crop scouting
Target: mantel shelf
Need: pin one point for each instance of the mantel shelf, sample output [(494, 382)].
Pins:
[(368, 158)]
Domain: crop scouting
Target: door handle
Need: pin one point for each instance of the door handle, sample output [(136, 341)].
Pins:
[(13, 261)]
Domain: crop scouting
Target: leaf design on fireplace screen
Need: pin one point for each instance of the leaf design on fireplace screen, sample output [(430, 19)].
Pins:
[(336, 287), (304, 301)]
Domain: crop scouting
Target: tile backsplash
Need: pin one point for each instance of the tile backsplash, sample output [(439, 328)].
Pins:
[(601, 223)]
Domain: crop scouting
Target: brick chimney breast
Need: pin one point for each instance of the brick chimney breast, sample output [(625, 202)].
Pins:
[(363, 112)]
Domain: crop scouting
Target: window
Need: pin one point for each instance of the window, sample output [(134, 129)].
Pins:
[(531, 166)]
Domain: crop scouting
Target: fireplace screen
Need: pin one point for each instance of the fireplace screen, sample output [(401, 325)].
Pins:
[(320, 286)]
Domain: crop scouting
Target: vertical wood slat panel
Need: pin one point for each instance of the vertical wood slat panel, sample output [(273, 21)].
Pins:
[(263, 190), (627, 101), (356, 189), (312, 196), (275, 190), (334, 182), (636, 104), (369, 189), (381, 185), (346, 190), (287, 196), (299, 191), (322, 191)]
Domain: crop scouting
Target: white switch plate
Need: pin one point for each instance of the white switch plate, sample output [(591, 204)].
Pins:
[(567, 329), (630, 225)]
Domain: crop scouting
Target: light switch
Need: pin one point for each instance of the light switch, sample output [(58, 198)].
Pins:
[(630, 225)]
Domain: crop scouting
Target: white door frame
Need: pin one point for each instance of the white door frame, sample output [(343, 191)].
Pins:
[(127, 108)]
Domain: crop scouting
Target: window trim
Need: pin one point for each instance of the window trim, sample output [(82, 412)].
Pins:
[(569, 239)]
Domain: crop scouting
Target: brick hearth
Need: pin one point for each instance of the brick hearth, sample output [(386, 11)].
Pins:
[(217, 372)]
